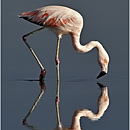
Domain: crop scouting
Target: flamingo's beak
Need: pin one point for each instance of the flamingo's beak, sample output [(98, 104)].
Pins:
[(102, 73)]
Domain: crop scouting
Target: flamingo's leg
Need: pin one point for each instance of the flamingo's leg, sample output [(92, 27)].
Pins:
[(57, 67), (57, 50), (57, 97), (43, 72)]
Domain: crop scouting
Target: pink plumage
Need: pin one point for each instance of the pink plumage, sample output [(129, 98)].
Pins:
[(58, 18)]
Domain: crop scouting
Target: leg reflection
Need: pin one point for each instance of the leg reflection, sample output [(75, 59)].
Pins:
[(43, 88)]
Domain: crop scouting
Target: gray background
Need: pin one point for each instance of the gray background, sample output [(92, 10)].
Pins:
[(106, 21)]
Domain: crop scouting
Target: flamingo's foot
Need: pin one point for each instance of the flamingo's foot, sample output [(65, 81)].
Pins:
[(57, 100), (57, 61), (42, 75), (24, 122)]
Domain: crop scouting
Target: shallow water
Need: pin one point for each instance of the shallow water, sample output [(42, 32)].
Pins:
[(78, 83)]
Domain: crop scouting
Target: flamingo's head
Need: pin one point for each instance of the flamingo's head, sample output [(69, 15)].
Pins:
[(103, 61)]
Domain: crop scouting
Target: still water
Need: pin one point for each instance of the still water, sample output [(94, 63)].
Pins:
[(78, 83)]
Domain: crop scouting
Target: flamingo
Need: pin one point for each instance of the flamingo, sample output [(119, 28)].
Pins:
[(62, 21)]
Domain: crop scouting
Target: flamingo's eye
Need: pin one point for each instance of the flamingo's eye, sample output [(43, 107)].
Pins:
[(105, 61)]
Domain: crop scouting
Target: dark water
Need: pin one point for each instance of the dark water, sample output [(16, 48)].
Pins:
[(105, 21)]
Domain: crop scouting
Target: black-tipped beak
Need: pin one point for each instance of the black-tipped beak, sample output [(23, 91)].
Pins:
[(102, 73)]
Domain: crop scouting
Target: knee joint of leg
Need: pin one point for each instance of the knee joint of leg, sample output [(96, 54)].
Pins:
[(24, 37)]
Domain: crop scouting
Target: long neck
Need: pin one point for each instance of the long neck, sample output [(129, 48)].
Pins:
[(84, 48), (84, 113)]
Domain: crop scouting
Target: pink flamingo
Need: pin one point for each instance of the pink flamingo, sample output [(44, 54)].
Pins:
[(63, 20)]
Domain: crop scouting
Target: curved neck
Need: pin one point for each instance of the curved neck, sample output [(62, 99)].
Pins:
[(84, 48), (84, 113)]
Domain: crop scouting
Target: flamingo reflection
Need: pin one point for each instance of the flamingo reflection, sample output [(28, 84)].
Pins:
[(103, 103), (43, 88)]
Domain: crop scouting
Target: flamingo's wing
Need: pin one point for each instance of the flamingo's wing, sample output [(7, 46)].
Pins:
[(37, 16), (52, 16), (48, 16)]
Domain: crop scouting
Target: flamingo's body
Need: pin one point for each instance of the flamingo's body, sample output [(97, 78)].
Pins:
[(61, 20)]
